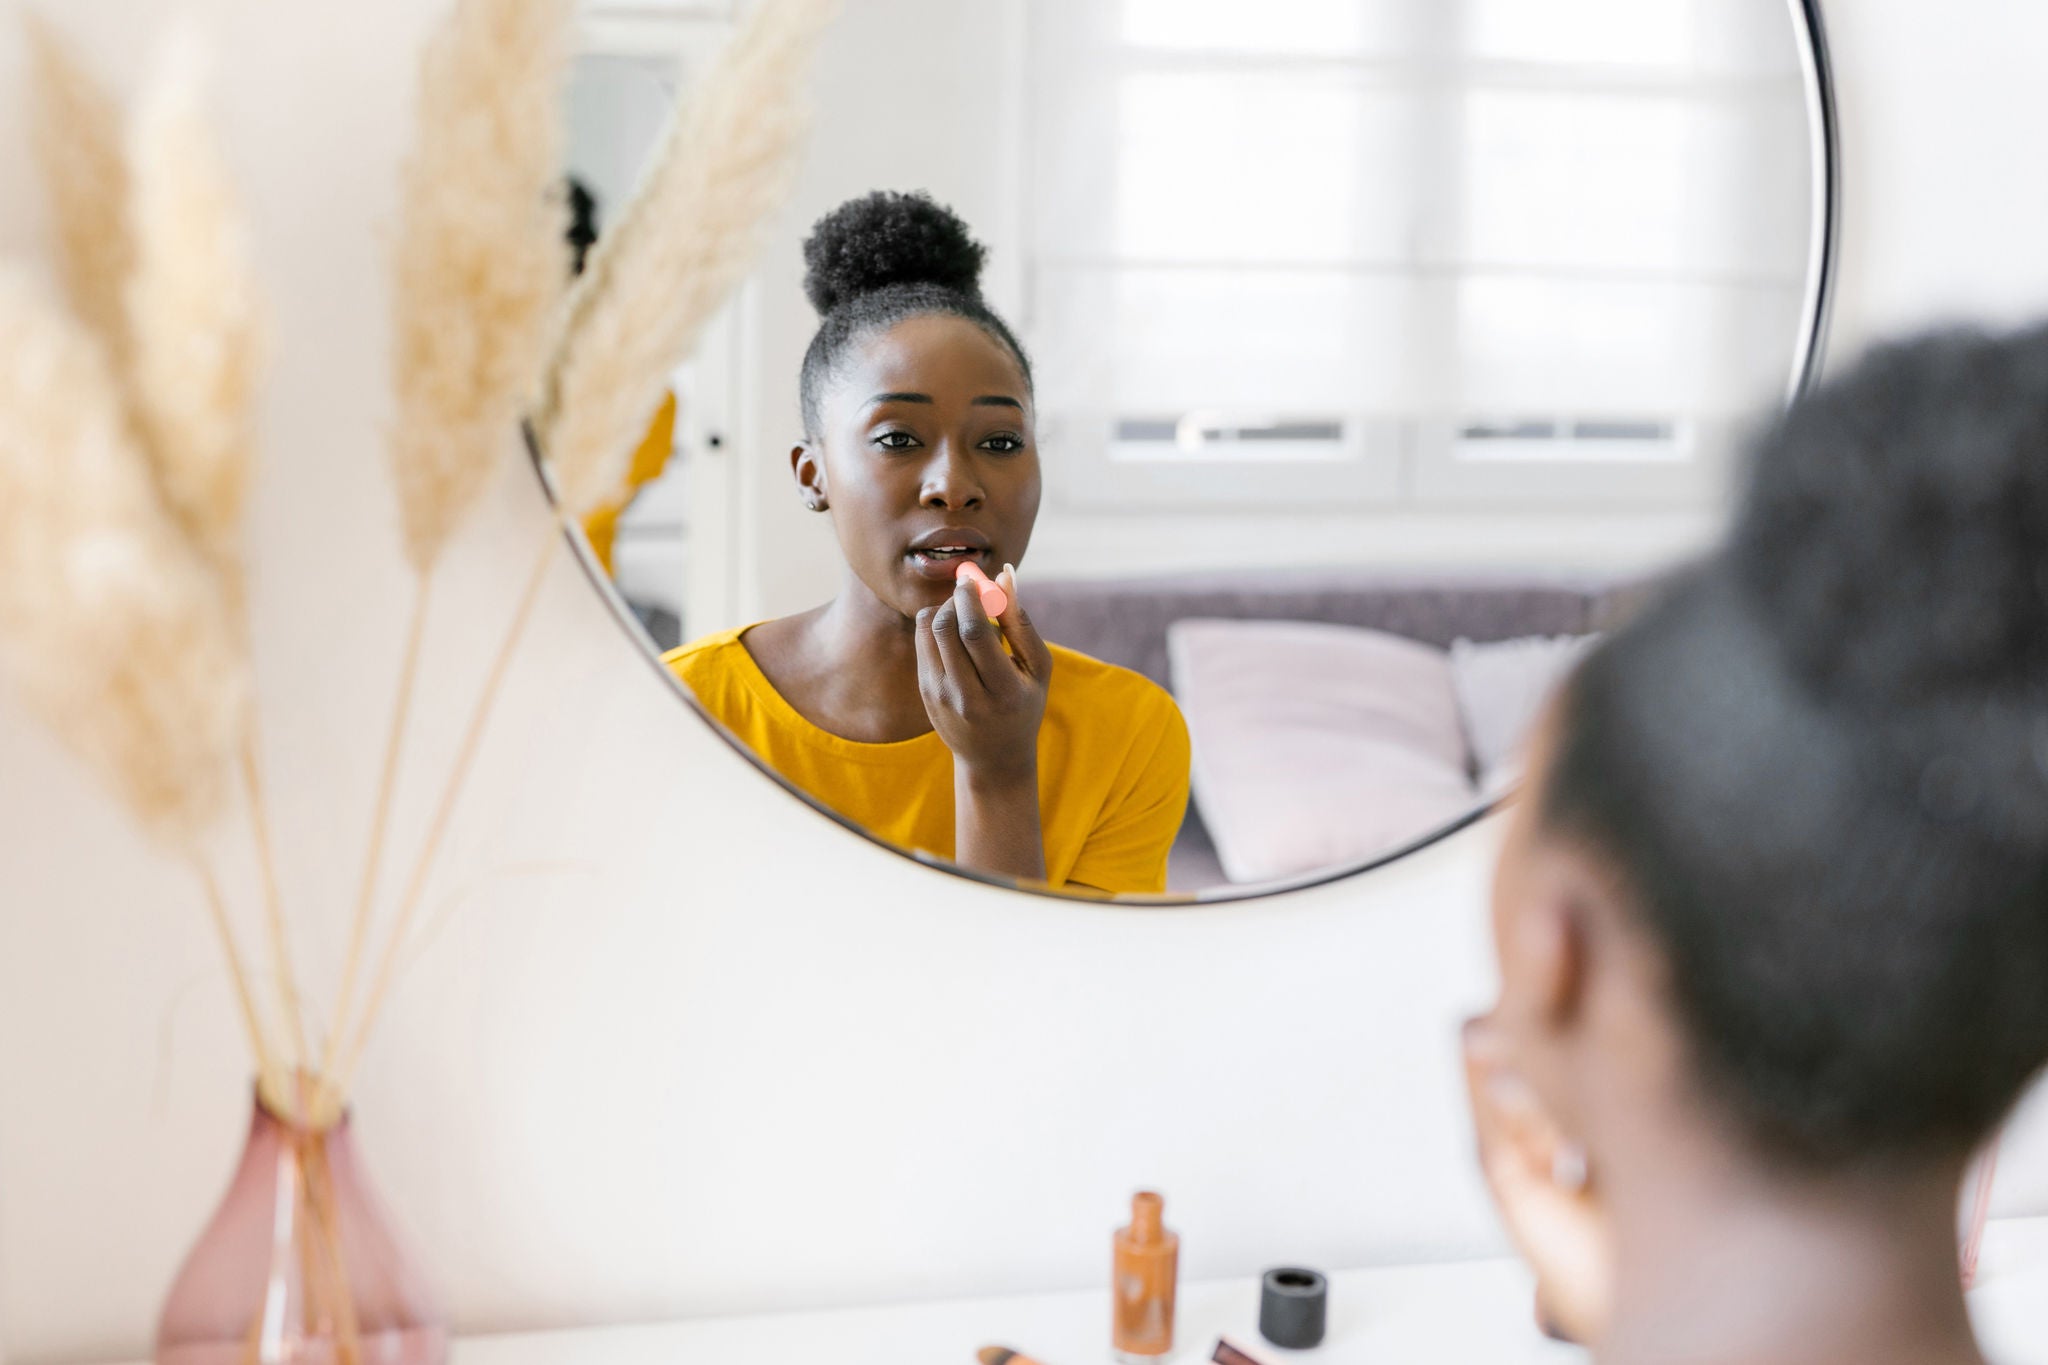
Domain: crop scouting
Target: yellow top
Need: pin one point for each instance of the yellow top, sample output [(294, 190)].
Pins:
[(1112, 765), (649, 459)]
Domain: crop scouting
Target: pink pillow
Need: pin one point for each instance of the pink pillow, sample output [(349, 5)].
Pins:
[(1501, 687), (1316, 746)]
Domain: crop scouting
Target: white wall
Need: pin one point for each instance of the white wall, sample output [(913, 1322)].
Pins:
[(714, 1053), (1942, 108)]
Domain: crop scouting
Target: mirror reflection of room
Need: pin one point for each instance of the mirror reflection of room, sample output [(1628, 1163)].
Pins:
[(1378, 352)]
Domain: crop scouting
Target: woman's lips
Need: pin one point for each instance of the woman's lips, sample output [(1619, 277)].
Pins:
[(940, 567)]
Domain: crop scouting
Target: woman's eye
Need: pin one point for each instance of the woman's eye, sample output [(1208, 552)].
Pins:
[(896, 440), (1005, 444)]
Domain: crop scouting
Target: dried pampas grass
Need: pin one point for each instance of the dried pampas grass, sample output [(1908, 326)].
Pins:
[(482, 257), (115, 628), (126, 449), (682, 246), (76, 129), (649, 288), (195, 328), (196, 343), (482, 264)]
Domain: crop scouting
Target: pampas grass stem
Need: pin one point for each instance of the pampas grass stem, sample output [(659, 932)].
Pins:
[(451, 793), (273, 907), (326, 1263), (269, 1075), (481, 267), (380, 820)]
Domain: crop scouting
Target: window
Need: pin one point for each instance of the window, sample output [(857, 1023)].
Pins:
[(1412, 251)]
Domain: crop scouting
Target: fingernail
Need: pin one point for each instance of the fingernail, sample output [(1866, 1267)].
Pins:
[(1509, 1091), (1481, 1037)]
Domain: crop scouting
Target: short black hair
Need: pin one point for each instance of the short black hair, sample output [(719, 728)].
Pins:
[(1819, 762), (583, 222), (878, 260)]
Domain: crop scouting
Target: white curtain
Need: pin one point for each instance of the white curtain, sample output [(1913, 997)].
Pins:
[(1433, 221)]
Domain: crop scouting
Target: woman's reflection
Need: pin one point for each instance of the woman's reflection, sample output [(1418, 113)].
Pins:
[(900, 703)]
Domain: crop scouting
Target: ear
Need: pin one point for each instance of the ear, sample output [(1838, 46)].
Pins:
[(810, 475), (1545, 941)]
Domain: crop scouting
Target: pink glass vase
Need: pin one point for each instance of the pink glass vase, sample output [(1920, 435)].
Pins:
[(299, 1266)]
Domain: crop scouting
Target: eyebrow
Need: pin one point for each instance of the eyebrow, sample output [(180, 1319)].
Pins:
[(985, 401)]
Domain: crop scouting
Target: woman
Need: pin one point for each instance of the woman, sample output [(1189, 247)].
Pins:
[(1772, 921), (900, 703)]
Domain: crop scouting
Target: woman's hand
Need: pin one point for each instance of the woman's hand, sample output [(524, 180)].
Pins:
[(1543, 1190), (987, 704)]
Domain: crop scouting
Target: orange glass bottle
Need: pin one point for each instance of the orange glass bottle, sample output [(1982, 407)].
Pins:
[(1145, 1271)]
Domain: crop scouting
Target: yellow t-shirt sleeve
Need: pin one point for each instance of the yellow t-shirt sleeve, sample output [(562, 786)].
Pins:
[(708, 668), (1126, 852), (650, 458)]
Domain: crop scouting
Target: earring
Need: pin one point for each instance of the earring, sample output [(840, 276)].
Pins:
[(816, 503), (1568, 1169)]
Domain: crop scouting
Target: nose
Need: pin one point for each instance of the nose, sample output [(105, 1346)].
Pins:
[(951, 481)]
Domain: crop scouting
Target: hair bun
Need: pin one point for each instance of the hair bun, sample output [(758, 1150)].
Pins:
[(889, 238), (1895, 535), (1897, 518)]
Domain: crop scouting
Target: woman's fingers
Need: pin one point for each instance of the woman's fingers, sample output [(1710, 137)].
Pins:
[(984, 641), (1512, 1131), (1023, 635), (960, 671), (931, 667), (1540, 1184), (1481, 1057)]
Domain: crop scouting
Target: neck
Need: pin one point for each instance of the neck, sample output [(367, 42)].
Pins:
[(1716, 1265), (860, 630), (864, 662)]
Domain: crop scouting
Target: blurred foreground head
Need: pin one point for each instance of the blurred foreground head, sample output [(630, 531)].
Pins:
[(1772, 920), (1818, 769)]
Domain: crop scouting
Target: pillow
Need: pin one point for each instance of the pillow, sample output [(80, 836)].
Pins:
[(1501, 686), (1316, 745)]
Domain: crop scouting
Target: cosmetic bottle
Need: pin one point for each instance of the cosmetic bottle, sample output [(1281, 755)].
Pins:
[(1145, 1270)]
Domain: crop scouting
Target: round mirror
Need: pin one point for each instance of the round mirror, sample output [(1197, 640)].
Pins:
[(1371, 356)]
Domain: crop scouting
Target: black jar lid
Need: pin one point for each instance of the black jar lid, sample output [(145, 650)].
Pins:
[(1294, 1307)]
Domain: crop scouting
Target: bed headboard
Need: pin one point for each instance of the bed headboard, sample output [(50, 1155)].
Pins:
[(1124, 621)]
